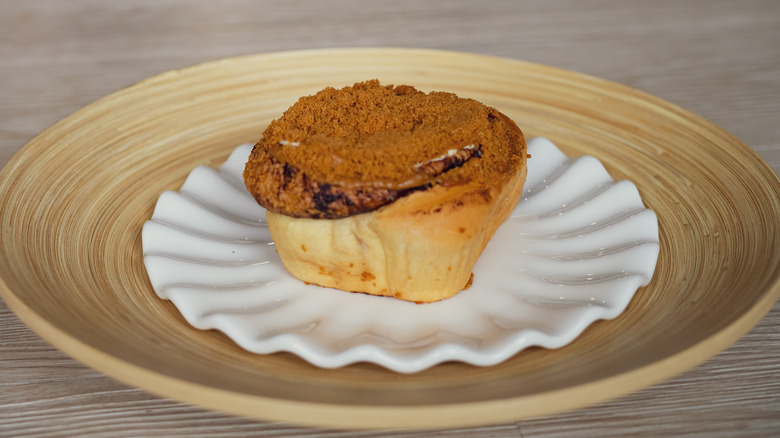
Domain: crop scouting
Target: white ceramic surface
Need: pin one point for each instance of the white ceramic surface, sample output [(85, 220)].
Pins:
[(575, 250)]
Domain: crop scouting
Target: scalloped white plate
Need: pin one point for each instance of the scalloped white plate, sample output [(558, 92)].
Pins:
[(575, 250)]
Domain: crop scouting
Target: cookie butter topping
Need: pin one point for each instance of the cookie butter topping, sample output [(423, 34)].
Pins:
[(369, 144)]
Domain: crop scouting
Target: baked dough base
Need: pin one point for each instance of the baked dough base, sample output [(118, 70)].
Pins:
[(420, 248)]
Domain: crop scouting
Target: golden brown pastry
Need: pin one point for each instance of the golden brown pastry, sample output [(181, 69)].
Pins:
[(385, 189)]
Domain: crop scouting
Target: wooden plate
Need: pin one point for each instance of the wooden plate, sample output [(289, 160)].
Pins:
[(72, 203)]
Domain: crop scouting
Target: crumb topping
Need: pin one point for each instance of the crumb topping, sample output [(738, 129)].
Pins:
[(366, 145)]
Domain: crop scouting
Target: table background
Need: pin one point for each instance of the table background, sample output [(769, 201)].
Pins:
[(720, 59)]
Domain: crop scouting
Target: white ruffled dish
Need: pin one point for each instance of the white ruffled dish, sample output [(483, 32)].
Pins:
[(575, 250)]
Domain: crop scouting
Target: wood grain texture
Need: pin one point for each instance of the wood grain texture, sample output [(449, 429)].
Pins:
[(72, 267), (719, 61)]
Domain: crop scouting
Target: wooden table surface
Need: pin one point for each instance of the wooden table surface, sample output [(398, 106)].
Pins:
[(720, 59)]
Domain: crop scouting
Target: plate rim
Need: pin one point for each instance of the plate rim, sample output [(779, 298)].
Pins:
[(379, 416)]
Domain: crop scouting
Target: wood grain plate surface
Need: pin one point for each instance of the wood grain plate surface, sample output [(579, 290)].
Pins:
[(73, 200)]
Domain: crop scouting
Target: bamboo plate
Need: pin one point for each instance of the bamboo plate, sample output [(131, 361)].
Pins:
[(73, 200)]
